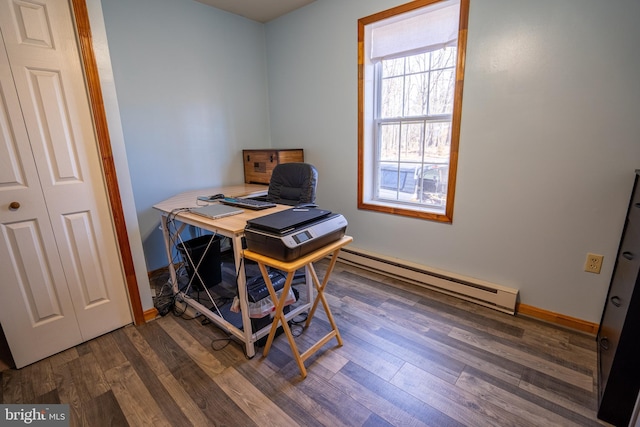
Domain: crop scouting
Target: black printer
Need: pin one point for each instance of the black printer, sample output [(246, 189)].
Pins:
[(295, 232)]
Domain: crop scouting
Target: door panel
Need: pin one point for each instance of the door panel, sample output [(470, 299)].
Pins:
[(31, 267), (11, 169), (88, 271), (63, 201), (53, 121)]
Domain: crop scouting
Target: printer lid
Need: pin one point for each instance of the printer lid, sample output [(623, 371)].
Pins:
[(284, 221)]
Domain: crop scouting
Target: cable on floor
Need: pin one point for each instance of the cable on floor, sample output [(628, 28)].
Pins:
[(296, 324)]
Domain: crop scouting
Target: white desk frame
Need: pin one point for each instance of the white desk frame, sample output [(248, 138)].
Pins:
[(233, 228)]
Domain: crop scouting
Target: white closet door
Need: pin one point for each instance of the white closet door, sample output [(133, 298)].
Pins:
[(36, 310), (62, 280)]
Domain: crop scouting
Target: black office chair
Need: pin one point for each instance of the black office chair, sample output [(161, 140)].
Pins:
[(293, 184)]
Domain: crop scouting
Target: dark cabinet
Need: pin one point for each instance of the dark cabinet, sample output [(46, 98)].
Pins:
[(619, 332)]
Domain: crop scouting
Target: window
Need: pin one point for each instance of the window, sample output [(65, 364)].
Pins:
[(411, 68)]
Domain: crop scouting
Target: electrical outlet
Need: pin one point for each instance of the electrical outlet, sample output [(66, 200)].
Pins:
[(594, 263)]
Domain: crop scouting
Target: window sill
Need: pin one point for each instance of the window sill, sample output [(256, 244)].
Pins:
[(402, 209)]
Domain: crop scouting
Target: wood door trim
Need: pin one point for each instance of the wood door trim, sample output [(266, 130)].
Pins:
[(87, 56)]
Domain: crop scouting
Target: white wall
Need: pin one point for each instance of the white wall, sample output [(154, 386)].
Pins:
[(191, 88), (549, 144)]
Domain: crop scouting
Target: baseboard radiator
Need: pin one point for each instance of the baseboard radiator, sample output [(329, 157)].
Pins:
[(494, 296)]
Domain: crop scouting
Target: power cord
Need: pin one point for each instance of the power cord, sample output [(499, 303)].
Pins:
[(226, 341), (164, 303), (296, 324)]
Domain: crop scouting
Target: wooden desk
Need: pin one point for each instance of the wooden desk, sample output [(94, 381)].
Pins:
[(290, 268), (232, 227)]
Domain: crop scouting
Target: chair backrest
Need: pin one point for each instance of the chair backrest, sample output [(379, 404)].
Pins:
[(293, 184)]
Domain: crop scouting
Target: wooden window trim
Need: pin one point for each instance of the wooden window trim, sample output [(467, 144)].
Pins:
[(456, 120)]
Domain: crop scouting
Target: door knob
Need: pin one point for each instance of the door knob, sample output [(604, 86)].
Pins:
[(14, 206)]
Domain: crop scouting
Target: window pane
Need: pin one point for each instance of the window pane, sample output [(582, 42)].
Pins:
[(431, 184), (389, 141), (437, 144), (441, 91), (389, 176), (391, 97), (392, 67), (418, 63), (411, 142), (417, 89), (443, 58), (396, 181)]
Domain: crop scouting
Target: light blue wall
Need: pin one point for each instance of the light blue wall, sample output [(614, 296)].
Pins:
[(549, 137), (116, 138), (549, 144), (191, 87)]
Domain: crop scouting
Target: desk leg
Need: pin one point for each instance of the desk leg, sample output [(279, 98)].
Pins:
[(320, 288), (247, 330), (279, 317), (167, 245)]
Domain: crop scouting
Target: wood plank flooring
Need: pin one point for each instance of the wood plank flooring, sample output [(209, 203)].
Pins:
[(411, 357)]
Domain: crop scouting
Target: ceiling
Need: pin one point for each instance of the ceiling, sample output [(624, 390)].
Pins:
[(258, 10)]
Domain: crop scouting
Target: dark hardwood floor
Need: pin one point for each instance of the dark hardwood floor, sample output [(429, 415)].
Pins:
[(411, 357)]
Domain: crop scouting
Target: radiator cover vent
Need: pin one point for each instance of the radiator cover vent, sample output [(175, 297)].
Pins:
[(488, 294)]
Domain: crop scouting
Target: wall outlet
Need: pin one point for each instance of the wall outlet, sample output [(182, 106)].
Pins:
[(593, 263)]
